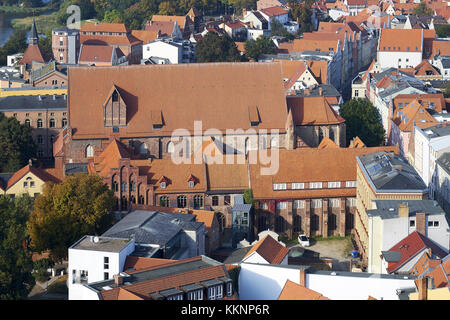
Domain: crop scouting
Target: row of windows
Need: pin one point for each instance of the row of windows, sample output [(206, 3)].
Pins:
[(313, 185), (214, 293), (40, 139), (51, 122), (315, 203)]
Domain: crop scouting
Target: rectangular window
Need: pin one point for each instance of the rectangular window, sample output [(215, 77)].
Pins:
[(229, 289), (25, 184), (106, 276), (106, 263), (315, 185), (219, 292), (227, 200), (412, 223), (299, 204), (211, 293), (435, 223), (430, 223), (31, 184), (335, 203), (334, 184), (298, 185), (282, 205), (279, 186), (316, 203), (350, 184)]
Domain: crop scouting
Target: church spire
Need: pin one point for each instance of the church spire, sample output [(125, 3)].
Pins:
[(34, 38)]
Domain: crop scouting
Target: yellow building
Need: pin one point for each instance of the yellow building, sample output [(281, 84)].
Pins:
[(27, 91), (29, 180), (382, 176)]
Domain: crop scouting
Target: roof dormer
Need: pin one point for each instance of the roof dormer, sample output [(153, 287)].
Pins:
[(115, 109)]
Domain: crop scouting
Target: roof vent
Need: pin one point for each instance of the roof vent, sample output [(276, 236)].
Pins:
[(39, 98), (96, 239)]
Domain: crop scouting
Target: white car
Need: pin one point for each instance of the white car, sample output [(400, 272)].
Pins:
[(303, 240)]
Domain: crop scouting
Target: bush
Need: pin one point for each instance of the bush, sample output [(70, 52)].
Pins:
[(41, 275)]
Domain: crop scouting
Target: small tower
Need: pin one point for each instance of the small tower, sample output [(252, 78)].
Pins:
[(34, 38)]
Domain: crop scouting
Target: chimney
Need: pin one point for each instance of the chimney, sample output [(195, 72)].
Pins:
[(118, 279), (244, 12), (403, 211), (303, 277), (421, 223), (320, 91), (422, 286)]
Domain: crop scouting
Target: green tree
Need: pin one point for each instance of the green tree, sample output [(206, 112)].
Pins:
[(362, 119), (443, 30), (46, 43), (15, 44), (238, 5), (134, 17), (248, 196), (113, 16), (446, 91), (422, 10), (215, 48), (301, 12), (16, 144), (16, 280), (262, 45), (65, 212), (277, 29), (167, 8)]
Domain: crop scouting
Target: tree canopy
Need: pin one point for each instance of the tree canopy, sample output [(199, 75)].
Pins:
[(16, 280), (217, 48), (362, 119), (16, 144), (15, 44), (301, 12), (65, 212), (262, 45), (422, 10)]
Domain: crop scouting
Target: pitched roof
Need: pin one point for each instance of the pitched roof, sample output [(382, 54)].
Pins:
[(440, 47), (145, 36), (165, 28), (109, 158), (440, 272), (356, 142), (294, 291), (309, 165), (202, 83), (33, 53), (138, 263), (435, 101), (95, 53), (403, 40), (318, 69), (326, 45), (413, 114), (180, 20), (40, 173), (274, 11), (422, 68), (312, 111), (409, 247), (270, 249), (104, 27), (327, 143)]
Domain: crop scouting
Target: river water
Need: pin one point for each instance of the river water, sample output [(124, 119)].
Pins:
[(5, 28)]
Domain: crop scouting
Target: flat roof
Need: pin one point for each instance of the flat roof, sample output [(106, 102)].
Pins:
[(388, 209), (33, 102), (101, 244)]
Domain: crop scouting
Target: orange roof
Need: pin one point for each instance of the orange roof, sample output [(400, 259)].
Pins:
[(294, 291), (318, 69), (145, 36), (227, 176), (180, 20), (33, 53), (139, 263), (286, 46), (403, 40), (312, 111), (93, 53), (413, 114), (40, 173), (440, 47), (164, 27), (202, 82), (356, 143), (103, 27), (289, 67), (300, 45), (270, 249), (274, 11), (327, 143), (304, 165), (424, 68), (109, 40), (435, 101), (240, 46), (109, 158)]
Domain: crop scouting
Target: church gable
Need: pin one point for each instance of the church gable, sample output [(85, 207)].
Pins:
[(115, 109)]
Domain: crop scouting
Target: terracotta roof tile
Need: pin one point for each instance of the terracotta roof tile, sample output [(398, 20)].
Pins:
[(202, 83), (40, 173), (270, 249), (274, 11), (33, 53), (181, 20), (413, 114), (165, 28), (104, 27), (139, 263), (400, 40), (145, 36), (294, 291), (327, 143), (94, 53), (312, 111)]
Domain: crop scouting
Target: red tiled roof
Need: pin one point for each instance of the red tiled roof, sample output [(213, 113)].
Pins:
[(33, 53), (104, 27), (41, 174), (400, 40), (274, 11), (410, 246), (139, 263), (294, 291), (164, 27), (270, 249), (312, 111), (93, 53)]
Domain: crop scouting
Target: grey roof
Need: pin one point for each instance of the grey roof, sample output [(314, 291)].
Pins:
[(390, 173), (328, 90), (444, 161), (108, 244), (72, 168), (392, 256), (33, 102), (153, 227), (388, 209), (242, 207), (33, 33), (47, 69), (446, 63), (438, 130), (237, 255)]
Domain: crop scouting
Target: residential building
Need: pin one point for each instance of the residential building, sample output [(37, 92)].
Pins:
[(28, 180), (309, 193), (164, 29), (175, 51), (400, 48), (404, 255), (327, 91), (66, 45), (112, 34), (266, 282), (443, 65), (46, 115), (441, 181), (50, 74), (255, 20), (185, 24), (101, 56), (355, 6), (428, 145), (162, 234), (296, 75), (382, 176), (236, 29), (275, 13), (13, 60), (267, 250)]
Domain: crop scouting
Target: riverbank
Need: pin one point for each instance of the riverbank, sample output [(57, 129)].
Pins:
[(18, 12), (44, 22)]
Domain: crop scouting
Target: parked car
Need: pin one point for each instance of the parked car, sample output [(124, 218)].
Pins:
[(303, 240)]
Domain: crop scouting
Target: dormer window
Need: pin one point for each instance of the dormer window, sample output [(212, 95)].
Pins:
[(115, 109), (162, 185), (191, 184)]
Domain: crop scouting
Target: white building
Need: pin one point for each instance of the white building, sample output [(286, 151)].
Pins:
[(175, 51), (390, 221), (93, 259), (393, 53), (275, 13), (441, 181), (13, 60), (265, 282)]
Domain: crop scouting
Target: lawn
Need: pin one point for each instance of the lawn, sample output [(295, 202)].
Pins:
[(44, 22)]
